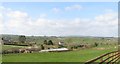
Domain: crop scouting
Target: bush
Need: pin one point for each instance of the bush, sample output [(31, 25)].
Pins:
[(45, 42), (42, 47), (22, 39), (50, 42), (95, 44)]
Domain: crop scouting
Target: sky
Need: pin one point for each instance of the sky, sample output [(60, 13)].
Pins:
[(59, 0), (59, 18)]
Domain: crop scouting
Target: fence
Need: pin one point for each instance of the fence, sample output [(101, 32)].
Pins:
[(108, 58)]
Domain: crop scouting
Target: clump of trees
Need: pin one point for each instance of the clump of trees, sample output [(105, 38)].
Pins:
[(48, 42), (22, 39)]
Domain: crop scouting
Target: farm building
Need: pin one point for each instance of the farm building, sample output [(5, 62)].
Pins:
[(61, 43), (55, 50)]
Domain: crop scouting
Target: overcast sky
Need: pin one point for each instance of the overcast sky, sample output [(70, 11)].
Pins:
[(59, 18)]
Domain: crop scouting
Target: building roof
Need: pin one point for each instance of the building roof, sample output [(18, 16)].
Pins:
[(53, 50)]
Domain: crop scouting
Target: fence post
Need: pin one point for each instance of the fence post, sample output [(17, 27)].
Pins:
[(101, 59), (108, 57)]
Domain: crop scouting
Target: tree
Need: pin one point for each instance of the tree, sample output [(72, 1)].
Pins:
[(2, 38), (50, 42), (45, 42), (42, 47), (22, 39), (96, 44)]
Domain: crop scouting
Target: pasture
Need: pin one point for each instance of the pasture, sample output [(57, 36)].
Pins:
[(71, 56), (104, 45), (5, 47)]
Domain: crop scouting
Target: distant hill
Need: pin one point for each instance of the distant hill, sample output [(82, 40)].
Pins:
[(66, 39)]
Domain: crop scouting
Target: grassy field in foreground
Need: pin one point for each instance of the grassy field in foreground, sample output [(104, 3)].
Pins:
[(72, 56)]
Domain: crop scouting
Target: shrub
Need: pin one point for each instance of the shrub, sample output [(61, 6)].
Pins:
[(45, 42), (50, 42), (22, 39), (95, 44), (42, 47)]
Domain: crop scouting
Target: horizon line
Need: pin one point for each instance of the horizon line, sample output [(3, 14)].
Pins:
[(62, 35)]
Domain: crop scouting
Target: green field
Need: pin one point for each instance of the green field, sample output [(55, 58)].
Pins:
[(71, 56), (5, 47), (105, 45)]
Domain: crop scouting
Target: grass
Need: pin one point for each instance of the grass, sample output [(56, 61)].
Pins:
[(72, 56), (5, 47)]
